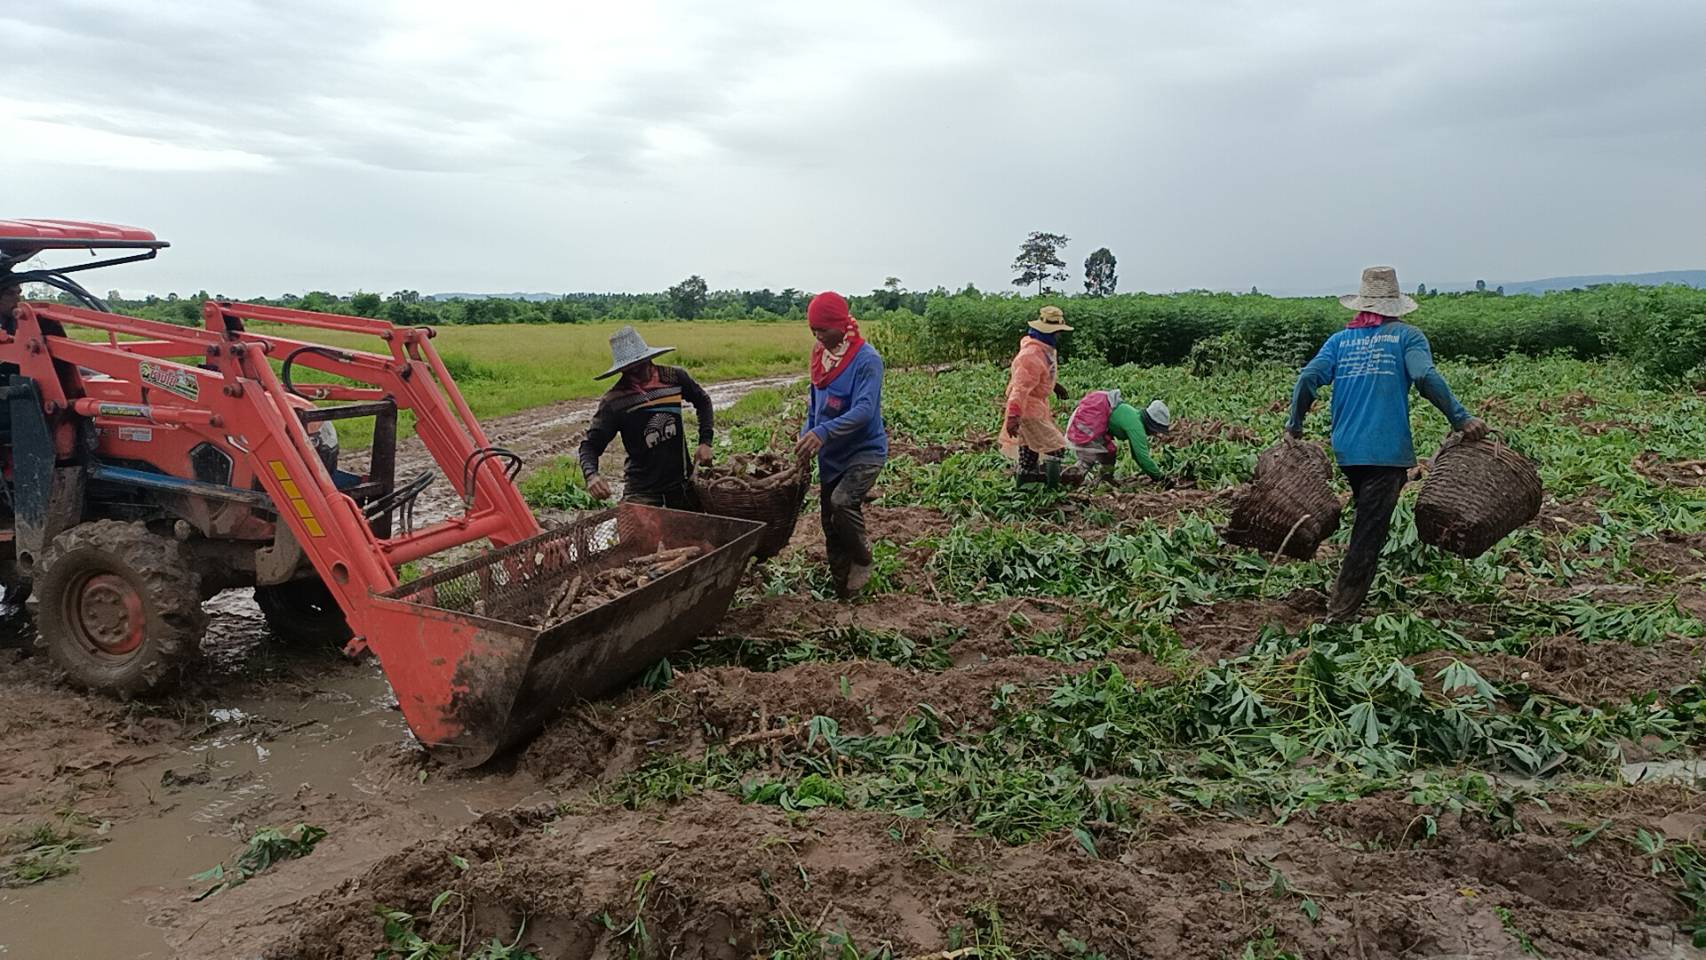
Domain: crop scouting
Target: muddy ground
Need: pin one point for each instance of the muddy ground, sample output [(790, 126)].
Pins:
[(275, 737), (715, 878), (265, 735)]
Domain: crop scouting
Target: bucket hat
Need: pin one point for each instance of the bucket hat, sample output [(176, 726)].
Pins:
[(1159, 415), (1049, 320), (1379, 294), (627, 349)]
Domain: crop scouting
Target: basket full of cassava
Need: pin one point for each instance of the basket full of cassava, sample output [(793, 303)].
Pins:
[(768, 487), (1288, 506), (1476, 492)]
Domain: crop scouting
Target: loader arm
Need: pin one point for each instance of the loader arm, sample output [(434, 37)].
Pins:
[(474, 652), (235, 396)]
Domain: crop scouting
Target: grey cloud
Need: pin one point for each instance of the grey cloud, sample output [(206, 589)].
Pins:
[(1209, 144)]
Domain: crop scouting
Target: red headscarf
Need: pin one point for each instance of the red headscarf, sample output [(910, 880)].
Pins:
[(1366, 319), (828, 311)]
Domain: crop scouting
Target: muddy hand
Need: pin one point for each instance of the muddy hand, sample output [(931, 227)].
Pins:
[(598, 487), (1011, 426), (808, 446), (703, 455), (1474, 429), (1060, 391)]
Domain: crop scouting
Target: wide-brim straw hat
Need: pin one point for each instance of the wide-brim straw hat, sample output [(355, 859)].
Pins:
[(1379, 294), (1050, 320), (627, 349)]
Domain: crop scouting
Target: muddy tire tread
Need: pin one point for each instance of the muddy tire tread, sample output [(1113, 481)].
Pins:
[(171, 592)]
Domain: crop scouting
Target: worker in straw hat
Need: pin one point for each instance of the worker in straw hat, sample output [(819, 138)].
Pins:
[(1102, 420), (844, 430), (1028, 431), (1371, 365), (644, 406)]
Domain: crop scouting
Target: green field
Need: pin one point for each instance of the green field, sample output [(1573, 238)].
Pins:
[(505, 368)]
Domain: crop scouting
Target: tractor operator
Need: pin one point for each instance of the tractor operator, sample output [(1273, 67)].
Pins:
[(10, 294), (645, 408)]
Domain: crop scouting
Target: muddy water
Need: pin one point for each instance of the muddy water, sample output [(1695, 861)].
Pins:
[(320, 742), (288, 737)]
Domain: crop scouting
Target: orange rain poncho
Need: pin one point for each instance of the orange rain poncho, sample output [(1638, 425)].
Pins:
[(1029, 387)]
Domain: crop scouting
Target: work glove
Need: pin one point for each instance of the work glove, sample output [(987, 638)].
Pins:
[(1293, 433), (1060, 391), (1474, 429), (1011, 426)]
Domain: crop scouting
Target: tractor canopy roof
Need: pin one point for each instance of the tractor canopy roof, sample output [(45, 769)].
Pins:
[(20, 240), (30, 236)]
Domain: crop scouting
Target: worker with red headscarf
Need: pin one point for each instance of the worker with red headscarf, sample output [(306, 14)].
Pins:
[(844, 428)]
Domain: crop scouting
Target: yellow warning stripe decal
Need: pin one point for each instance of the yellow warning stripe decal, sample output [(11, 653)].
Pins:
[(294, 494)]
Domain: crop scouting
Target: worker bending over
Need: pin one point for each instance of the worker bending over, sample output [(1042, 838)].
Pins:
[(1371, 365), (645, 408), (1102, 420), (844, 429)]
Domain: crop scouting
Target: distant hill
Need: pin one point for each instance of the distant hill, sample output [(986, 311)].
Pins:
[(1690, 278)]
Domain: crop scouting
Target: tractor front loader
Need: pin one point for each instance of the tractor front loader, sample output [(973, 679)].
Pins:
[(150, 465)]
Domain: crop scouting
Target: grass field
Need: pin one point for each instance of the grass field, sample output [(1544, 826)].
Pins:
[(504, 368)]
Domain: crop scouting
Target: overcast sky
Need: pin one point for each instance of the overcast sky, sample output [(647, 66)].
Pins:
[(492, 146)]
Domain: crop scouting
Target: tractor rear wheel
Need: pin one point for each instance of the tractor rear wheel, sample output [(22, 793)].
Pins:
[(304, 613), (119, 608)]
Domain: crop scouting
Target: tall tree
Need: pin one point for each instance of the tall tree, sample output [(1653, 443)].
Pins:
[(1099, 278), (1480, 286), (687, 298), (1039, 261), (890, 295)]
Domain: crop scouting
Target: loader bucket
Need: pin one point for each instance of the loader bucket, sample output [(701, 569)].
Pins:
[(473, 669)]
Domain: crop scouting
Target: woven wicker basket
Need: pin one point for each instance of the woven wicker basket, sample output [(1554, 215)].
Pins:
[(1475, 494), (1288, 506), (774, 501)]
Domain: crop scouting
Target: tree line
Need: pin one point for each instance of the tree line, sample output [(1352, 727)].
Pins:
[(692, 299)]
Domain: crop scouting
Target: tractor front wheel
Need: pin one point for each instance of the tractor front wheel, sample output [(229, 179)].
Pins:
[(303, 613), (119, 608)]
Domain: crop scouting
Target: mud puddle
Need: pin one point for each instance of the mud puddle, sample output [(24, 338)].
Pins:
[(317, 741)]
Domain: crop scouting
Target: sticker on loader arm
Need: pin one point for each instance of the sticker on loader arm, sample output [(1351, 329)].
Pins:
[(294, 494), (171, 379)]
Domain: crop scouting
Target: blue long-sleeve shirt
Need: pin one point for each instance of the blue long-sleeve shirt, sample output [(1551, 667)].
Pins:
[(1371, 370), (847, 416)]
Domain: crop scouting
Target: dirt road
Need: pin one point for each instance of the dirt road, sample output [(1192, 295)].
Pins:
[(268, 737)]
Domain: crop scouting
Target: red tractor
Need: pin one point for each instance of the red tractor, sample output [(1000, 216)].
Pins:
[(150, 465)]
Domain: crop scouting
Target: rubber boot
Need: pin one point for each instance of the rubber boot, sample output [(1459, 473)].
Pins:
[(1051, 472)]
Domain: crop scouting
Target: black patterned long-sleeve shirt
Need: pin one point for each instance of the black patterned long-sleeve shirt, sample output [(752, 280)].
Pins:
[(649, 419)]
